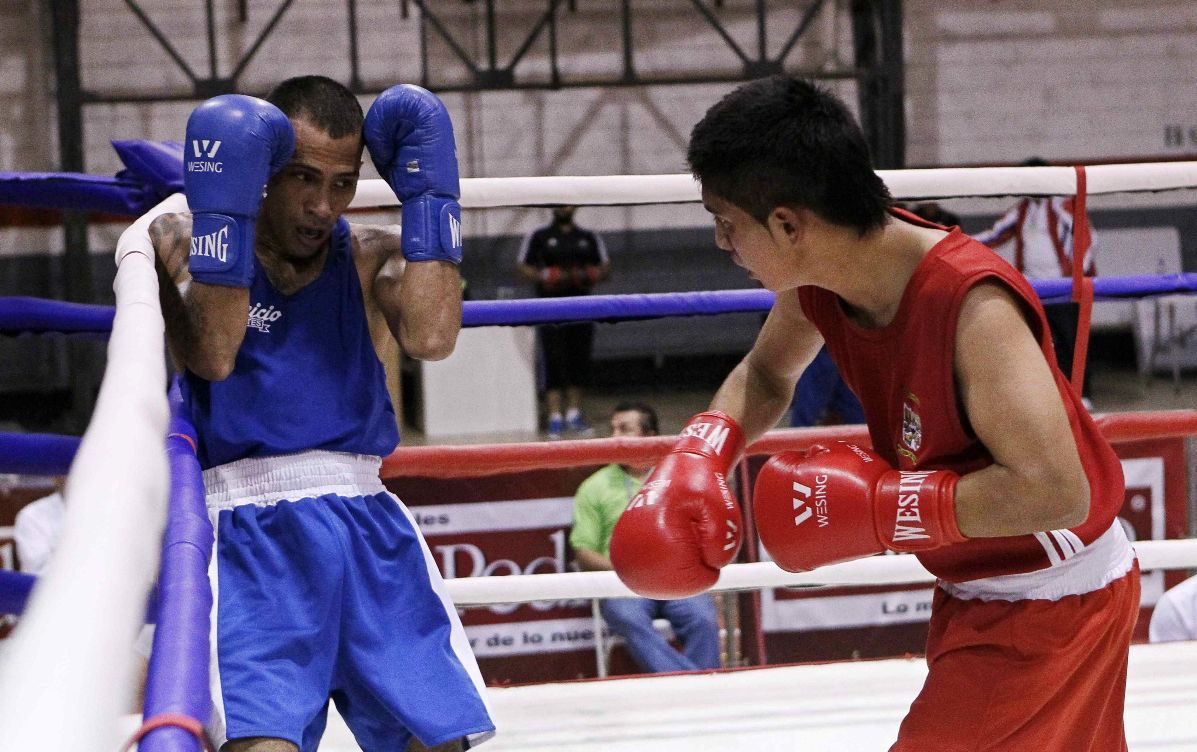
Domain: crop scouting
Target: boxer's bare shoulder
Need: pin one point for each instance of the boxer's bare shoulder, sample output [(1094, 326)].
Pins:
[(377, 249), (373, 247)]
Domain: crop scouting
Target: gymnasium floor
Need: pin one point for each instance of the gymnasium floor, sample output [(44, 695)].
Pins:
[(838, 707)]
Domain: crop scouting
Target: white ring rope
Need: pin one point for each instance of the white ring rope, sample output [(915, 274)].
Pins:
[(69, 668), (905, 185), (876, 570)]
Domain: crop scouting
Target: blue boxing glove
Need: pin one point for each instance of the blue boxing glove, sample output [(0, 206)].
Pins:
[(410, 139), (234, 144)]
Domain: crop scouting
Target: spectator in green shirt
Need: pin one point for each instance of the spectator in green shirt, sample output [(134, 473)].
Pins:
[(597, 505)]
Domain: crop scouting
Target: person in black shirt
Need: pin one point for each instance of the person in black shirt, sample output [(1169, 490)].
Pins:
[(564, 260)]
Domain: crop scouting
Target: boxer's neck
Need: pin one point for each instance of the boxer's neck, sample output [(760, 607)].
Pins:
[(289, 273), (872, 275)]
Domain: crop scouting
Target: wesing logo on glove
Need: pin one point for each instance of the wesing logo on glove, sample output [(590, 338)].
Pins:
[(454, 232), (204, 148), (803, 498), (649, 493), (213, 245), (910, 482), (731, 535), (712, 434)]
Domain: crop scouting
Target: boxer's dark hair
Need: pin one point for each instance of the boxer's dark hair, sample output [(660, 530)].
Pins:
[(321, 100), (648, 416), (783, 141)]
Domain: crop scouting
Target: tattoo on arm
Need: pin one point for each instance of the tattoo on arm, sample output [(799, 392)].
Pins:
[(171, 234)]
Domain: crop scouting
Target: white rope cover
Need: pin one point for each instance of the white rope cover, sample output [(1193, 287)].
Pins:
[(68, 670), (905, 185), (876, 570)]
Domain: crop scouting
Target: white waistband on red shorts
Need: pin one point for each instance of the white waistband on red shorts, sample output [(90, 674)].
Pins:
[(264, 481), (1092, 568)]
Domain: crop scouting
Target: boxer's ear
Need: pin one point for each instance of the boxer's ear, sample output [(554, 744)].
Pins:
[(786, 223)]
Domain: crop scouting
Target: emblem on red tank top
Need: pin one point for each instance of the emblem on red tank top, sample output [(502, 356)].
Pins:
[(912, 428)]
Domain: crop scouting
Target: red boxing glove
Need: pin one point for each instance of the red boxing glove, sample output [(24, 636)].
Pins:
[(550, 276), (593, 273), (684, 524), (842, 503)]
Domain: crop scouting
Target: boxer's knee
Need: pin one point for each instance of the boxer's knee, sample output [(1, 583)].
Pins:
[(452, 746), (259, 744)]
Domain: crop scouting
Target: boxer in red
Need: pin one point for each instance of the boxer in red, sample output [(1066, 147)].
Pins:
[(983, 462)]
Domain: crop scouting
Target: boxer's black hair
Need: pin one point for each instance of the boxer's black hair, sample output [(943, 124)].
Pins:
[(325, 102), (648, 416), (783, 141)]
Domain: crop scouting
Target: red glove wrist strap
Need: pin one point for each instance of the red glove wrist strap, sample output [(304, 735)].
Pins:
[(915, 510), (715, 435)]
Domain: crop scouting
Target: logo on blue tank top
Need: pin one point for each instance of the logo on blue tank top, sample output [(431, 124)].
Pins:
[(260, 318)]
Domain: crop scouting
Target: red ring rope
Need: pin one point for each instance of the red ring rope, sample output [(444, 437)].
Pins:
[(474, 460)]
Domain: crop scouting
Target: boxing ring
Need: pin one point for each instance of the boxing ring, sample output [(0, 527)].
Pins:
[(118, 484)]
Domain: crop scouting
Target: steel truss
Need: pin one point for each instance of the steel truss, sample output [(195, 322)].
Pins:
[(876, 59)]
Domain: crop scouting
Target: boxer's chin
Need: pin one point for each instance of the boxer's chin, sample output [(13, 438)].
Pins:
[(309, 240)]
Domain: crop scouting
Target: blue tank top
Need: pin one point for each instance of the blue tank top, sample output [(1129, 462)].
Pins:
[(306, 377)]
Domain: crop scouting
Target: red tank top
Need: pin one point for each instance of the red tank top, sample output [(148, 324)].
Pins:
[(905, 377)]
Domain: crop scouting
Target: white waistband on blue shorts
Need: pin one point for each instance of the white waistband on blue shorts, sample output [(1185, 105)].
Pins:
[(264, 481), (1092, 568)]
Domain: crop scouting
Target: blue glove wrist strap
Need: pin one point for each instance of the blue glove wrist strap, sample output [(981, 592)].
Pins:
[(432, 229), (222, 250)]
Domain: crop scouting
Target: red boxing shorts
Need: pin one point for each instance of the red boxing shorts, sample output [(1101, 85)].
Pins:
[(1042, 675)]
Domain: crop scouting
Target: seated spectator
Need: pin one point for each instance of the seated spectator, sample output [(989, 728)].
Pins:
[(37, 528), (1175, 614), (599, 502), (36, 532)]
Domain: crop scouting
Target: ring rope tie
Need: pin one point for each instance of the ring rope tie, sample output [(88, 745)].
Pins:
[(170, 720), (1082, 286)]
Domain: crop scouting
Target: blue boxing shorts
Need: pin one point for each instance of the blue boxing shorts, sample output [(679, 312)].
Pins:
[(325, 589)]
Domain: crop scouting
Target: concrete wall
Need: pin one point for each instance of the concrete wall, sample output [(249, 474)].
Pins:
[(987, 85), (1071, 82)]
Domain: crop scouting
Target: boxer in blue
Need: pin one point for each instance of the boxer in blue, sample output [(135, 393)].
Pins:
[(275, 307)]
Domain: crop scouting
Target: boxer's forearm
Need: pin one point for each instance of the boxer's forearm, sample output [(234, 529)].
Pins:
[(214, 321), (205, 324), (755, 402), (421, 301)]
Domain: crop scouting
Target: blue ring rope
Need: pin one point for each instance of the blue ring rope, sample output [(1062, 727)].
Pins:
[(23, 314), (177, 680)]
